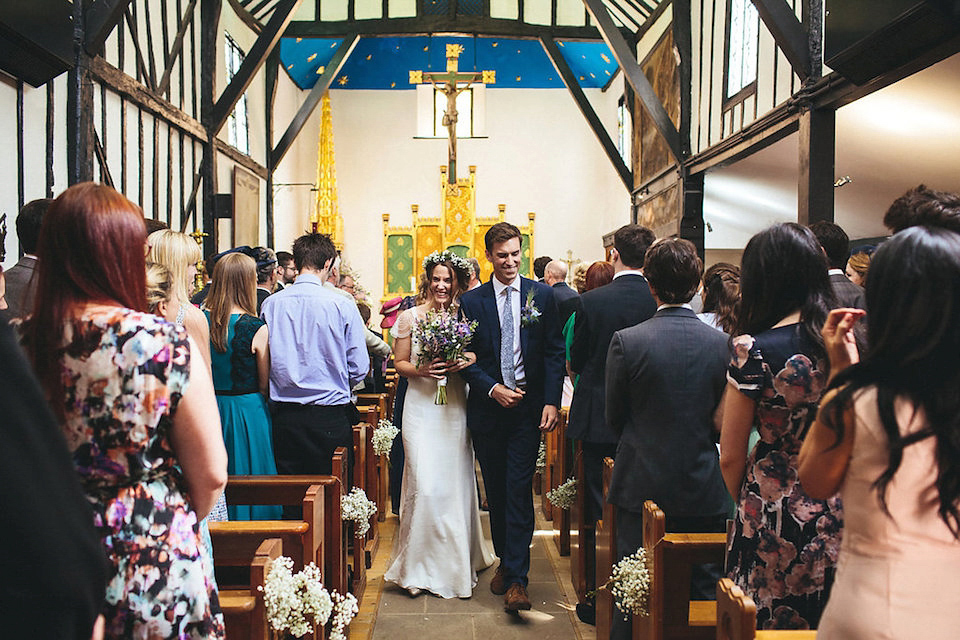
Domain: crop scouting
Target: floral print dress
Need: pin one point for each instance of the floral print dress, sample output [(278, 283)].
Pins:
[(124, 373), (785, 544)]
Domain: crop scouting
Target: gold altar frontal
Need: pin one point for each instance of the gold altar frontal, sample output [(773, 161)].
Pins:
[(457, 229)]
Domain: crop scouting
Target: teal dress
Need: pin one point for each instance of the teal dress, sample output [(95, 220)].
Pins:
[(244, 415)]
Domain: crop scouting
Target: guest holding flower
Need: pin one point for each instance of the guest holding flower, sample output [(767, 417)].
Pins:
[(785, 544)]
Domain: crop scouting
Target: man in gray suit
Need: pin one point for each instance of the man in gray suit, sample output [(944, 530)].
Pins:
[(836, 245), (664, 381), (20, 282)]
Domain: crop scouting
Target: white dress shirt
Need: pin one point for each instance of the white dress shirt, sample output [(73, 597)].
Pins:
[(516, 304)]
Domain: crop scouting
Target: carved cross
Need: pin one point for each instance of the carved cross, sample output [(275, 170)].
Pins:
[(452, 83), (570, 261)]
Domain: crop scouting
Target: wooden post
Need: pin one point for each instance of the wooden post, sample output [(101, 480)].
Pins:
[(79, 107), (272, 68), (691, 221), (209, 19), (817, 147)]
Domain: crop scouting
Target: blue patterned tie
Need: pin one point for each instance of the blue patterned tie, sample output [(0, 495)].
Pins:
[(506, 341)]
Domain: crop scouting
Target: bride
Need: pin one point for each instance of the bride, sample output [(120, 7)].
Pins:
[(440, 544)]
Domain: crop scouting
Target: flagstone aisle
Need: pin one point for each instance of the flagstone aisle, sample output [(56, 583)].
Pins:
[(388, 613)]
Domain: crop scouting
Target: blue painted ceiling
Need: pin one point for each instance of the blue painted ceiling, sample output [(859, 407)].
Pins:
[(385, 62)]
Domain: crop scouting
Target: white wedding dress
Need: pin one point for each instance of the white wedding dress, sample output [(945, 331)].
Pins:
[(440, 544)]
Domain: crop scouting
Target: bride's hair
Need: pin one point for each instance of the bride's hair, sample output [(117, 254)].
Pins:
[(461, 280)]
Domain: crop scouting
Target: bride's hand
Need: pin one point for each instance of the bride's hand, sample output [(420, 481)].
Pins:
[(436, 369), (465, 361)]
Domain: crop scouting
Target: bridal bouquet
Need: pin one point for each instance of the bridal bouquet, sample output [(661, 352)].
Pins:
[(298, 602), (442, 336)]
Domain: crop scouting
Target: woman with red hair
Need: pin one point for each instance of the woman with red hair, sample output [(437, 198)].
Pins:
[(138, 413)]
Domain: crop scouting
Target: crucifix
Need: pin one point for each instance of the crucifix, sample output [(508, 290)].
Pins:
[(569, 261), (451, 84)]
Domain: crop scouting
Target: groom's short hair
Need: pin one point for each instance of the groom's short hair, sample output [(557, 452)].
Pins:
[(313, 251), (499, 233), (673, 269)]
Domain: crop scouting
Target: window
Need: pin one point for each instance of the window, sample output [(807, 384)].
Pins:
[(624, 129), (464, 113), (742, 46), (238, 125)]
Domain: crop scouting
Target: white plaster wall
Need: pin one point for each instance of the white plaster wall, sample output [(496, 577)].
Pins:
[(540, 155)]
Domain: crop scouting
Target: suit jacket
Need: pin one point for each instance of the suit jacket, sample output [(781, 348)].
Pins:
[(665, 378), (541, 346), (623, 303), (21, 286), (847, 293), (567, 300)]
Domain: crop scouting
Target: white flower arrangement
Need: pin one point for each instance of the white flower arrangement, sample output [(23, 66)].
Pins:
[(565, 495), (629, 584), (357, 507), (295, 603), (383, 437), (542, 456), (344, 611), (461, 264)]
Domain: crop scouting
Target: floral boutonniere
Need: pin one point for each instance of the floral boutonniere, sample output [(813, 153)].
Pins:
[(529, 314)]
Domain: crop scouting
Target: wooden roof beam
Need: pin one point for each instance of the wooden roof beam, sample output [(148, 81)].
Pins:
[(560, 64), (788, 32), (102, 16), (255, 58), (624, 55), (313, 99), (437, 24)]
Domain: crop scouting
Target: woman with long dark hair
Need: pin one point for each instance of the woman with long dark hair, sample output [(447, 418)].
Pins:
[(240, 359), (785, 543), (888, 437), (137, 410)]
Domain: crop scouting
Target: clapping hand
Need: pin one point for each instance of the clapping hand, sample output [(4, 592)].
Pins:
[(838, 338)]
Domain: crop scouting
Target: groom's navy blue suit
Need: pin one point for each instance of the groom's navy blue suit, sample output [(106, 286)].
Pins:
[(506, 440)]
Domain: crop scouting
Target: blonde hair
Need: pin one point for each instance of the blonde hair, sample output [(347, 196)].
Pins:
[(860, 262), (177, 252), (580, 277), (234, 284), (158, 286)]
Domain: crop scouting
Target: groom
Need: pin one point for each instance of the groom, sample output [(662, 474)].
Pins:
[(515, 388)]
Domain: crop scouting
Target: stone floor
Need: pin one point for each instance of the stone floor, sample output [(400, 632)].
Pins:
[(389, 613)]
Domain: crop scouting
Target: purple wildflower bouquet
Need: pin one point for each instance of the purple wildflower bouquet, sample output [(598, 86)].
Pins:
[(442, 336)]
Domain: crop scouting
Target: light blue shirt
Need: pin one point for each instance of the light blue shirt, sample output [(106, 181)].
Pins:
[(317, 348)]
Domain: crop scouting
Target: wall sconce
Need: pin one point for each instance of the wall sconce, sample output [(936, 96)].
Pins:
[(842, 181)]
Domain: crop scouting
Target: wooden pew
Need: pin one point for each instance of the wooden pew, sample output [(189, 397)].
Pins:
[(737, 617), (606, 537), (331, 556), (564, 464), (244, 612), (672, 557), (581, 533), (357, 546)]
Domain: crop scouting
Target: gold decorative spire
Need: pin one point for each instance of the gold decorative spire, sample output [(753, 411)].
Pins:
[(326, 218)]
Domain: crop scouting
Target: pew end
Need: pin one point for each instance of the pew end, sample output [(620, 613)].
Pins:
[(737, 617)]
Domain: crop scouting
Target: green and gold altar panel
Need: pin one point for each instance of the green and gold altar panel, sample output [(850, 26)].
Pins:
[(399, 262), (526, 257)]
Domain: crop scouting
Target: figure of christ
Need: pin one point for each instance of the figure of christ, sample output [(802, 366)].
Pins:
[(451, 90)]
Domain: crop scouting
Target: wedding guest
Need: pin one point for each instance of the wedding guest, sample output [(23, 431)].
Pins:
[(137, 410), (721, 296), (580, 277), (836, 245), (859, 264), (924, 206), (664, 381), (240, 359), (21, 283), (539, 264), (555, 275), (158, 289), (784, 544), (596, 275), (286, 269), (886, 436), (474, 273), (179, 254), (266, 265)]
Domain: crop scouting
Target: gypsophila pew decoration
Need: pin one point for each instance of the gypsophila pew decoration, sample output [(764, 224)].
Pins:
[(442, 336), (383, 437), (529, 313), (356, 506), (565, 495), (298, 603), (542, 456), (629, 584)]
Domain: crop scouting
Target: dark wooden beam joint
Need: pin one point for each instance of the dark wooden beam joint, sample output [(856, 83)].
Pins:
[(789, 34), (102, 16), (560, 64), (691, 220), (624, 54), (313, 99), (254, 59), (817, 158)]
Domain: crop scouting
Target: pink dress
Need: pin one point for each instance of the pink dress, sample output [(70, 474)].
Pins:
[(898, 576)]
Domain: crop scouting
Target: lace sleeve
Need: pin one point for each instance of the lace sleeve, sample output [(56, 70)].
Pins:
[(404, 325)]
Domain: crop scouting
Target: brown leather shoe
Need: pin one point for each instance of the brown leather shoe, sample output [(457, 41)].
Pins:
[(497, 586), (516, 598)]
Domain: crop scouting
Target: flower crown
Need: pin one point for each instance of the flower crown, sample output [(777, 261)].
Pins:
[(439, 257)]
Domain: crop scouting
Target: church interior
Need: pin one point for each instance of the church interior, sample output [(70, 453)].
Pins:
[(252, 122)]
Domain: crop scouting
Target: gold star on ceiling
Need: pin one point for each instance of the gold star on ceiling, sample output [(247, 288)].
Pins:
[(369, 56), (299, 40), (289, 66), (342, 81), (320, 70), (495, 45), (605, 58)]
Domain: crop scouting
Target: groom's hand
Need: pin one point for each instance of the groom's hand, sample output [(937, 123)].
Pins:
[(548, 420), (507, 397)]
